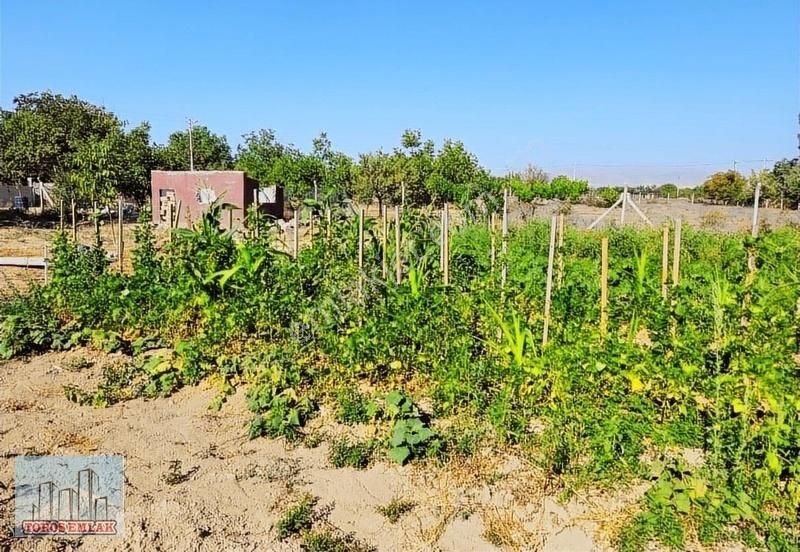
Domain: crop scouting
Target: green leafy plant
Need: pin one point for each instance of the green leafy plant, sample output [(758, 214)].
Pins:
[(357, 455), (297, 519), (396, 509)]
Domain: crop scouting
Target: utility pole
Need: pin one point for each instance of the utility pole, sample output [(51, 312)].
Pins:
[(191, 146)]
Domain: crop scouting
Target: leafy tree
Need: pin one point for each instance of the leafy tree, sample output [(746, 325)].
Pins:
[(725, 186), (39, 138), (137, 159), (787, 180), (296, 172), (338, 170), (375, 178), (665, 190), (411, 165), (211, 151), (97, 167), (455, 169), (259, 154)]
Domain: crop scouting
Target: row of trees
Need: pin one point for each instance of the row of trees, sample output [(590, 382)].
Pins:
[(91, 154)]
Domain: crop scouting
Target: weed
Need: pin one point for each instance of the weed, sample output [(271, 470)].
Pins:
[(77, 363), (354, 407), (357, 455), (333, 541), (175, 474), (395, 509), (297, 519)]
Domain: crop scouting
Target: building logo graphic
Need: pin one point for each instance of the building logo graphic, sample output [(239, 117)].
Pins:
[(69, 495)]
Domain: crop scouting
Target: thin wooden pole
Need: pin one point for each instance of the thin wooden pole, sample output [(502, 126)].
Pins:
[(446, 244), (171, 219), (754, 229), (441, 242), (178, 209), (504, 245), (113, 229), (328, 223), (384, 241), (61, 215), (398, 261), (676, 255), (604, 287), (120, 246), (624, 204), (549, 285), (256, 229), (74, 221), (361, 253), (664, 259), (493, 239), (96, 223), (560, 277), (46, 262), (296, 230)]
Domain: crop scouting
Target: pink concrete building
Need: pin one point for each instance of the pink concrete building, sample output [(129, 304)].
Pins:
[(185, 195)]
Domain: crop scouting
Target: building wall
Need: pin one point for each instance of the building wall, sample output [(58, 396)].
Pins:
[(191, 192)]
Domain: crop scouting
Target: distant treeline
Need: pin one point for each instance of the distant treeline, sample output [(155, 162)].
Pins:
[(91, 154)]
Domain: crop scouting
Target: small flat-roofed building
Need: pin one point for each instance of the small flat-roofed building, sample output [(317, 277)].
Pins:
[(186, 195)]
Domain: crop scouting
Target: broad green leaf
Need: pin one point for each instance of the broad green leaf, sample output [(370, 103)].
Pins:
[(400, 454)]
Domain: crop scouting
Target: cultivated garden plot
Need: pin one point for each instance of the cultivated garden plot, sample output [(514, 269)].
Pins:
[(655, 368)]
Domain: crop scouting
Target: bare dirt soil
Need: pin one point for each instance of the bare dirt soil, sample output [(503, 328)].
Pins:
[(234, 489)]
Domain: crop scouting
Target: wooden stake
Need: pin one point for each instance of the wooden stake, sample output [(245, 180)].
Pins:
[(44, 257), (549, 285), (504, 245), (120, 246), (664, 259), (493, 239), (676, 254), (255, 213), (604, 287), (96, 223), (398, 261), (384, 241), (441, 242), (296, 242), (328, 223), (361, 253), (171, 219), (560, 277), (754, 230), (446, 244), (74, 222)]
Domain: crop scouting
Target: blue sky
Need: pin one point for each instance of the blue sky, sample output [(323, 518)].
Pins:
[(616, 91)]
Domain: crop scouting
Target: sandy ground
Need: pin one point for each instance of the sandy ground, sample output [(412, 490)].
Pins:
[(238, 488)]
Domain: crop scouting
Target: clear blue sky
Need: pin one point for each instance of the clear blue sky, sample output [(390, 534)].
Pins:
[(625, 90)]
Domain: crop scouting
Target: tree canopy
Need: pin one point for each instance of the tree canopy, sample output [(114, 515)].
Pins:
[(91, 154)]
